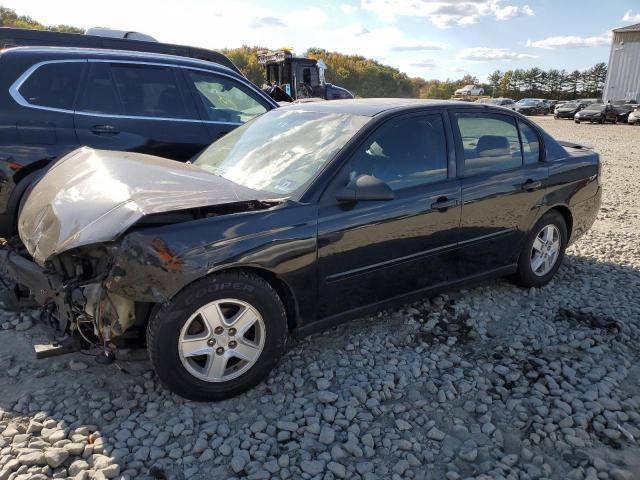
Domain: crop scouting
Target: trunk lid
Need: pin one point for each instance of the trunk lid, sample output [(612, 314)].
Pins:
[(92, 196)]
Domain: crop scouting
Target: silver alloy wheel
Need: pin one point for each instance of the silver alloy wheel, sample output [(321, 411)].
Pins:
[(545, 250), (221, 340)]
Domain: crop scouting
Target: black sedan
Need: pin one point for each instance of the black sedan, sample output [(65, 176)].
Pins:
[(531, 106), (624, 109), (598, 113), (568, 110), (302, 218)]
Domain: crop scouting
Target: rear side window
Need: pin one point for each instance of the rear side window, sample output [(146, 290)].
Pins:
[(530, 144), (53, 85), (223, 99), (99, 95), (149, 91), (404, 153), (490, 142)]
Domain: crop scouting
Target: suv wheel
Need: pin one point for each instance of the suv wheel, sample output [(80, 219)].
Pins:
[(543, 251), (218, 337)]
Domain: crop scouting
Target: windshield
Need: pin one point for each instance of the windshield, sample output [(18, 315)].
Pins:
[(569, 105), (281, 151), (595, 106), (527, 101)]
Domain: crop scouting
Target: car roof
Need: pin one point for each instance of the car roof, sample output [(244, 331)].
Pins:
[(370, 107), (42, 52)]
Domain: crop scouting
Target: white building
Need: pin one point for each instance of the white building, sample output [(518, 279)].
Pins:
[(623, 71)]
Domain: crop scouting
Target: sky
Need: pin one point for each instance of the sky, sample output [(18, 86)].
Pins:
[(424, 38)]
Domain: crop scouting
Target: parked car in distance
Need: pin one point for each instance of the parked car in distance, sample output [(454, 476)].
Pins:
[(302, 218), (634, 117), (500, 102), (54, 100), (531, 106), (551, 104), (469, 90), (568, 110), (597, 112), (624, 108)]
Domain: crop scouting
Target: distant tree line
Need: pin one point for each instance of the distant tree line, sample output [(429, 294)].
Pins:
[(9, 18), (553, 83)]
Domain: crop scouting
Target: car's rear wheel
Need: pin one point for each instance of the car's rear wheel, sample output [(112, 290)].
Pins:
[(218, 337), (577, 121), (602, 119), (543, 251)]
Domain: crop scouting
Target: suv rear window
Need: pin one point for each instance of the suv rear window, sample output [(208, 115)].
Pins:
[(100, 94), (53, 85), (149, 91)]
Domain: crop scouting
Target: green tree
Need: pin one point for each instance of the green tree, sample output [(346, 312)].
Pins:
[(574, 82), (9, 18), (494, 80), (246, 59)]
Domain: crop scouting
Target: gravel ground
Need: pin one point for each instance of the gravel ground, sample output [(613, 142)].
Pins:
[(492, 382)]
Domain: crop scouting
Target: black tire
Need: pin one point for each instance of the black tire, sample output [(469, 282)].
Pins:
[(602, 120), (525, 275), (163, 332), (577, 121)]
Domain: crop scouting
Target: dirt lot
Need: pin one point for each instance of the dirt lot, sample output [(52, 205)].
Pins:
[(492, 382)]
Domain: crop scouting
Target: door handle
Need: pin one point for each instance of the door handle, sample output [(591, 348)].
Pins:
[(443, 204), (104, 130), (531, 185)]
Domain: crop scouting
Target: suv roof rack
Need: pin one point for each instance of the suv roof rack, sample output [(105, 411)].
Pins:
[(22, 37)]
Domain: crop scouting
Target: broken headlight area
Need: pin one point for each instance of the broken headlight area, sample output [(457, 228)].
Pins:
[(85, 306), (71, 291)]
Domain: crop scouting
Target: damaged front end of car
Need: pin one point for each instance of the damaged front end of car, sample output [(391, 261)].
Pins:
[(77, 221), (71, 292)]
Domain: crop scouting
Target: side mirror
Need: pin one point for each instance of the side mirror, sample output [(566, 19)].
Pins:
[(365, 188)]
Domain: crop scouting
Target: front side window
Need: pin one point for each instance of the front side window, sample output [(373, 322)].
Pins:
[(53, 85), (149, 91), (225, 100), (280, 152), (490, 142), (404, 153), (530, 144)]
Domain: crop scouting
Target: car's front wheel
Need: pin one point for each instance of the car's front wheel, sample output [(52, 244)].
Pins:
[(543, 251), (219, 337)]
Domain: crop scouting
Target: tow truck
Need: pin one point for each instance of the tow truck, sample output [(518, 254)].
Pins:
[(290, 78)]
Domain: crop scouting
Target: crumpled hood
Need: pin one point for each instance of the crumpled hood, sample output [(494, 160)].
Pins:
[(92, 196)]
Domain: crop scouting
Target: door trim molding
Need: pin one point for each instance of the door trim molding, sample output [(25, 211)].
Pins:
[(394, 261), (487, 236)]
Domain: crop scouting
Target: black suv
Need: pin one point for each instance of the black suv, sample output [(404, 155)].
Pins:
[(56, 99)]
